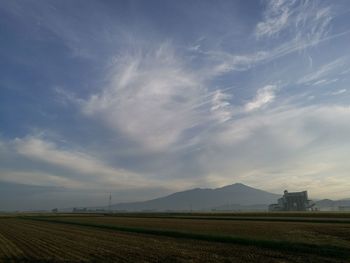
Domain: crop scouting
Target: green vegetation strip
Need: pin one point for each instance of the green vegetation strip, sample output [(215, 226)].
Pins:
[(237, 218), (342, 219), (322, 250), (335, 215), (231, 217)]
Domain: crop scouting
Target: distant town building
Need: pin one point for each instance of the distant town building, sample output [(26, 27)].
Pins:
[(79, 210), (296, 201)]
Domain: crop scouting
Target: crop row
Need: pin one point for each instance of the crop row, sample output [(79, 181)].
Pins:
[(8, 249), (296, 247), (41, 241), (35, 245), (320, 234)]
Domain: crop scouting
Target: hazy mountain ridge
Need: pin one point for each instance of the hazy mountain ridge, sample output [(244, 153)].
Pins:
[(235, 195), (326, 203)]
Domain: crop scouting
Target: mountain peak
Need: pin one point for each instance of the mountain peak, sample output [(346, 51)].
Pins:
[(235, 186), (202, 199)]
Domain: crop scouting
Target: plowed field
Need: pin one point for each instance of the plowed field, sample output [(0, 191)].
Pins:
[(94, 240)]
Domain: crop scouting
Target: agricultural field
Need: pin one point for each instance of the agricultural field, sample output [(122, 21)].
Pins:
[(174, 238)]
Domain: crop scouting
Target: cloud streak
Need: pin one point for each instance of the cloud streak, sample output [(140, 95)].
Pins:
[(72, 162), (264, 96), (275, 18), (154, 99), (289, 26)]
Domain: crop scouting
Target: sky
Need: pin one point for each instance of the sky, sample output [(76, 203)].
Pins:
[(144, 98)]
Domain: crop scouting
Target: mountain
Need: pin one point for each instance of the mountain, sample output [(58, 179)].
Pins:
[(324, 203), (204, 199)]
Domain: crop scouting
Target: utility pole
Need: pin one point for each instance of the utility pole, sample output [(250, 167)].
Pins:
[(110, 202)]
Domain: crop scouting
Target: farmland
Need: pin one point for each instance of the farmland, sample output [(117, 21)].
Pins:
[(175, 238)]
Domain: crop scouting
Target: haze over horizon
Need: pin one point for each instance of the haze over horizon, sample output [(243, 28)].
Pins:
[(146, 98)]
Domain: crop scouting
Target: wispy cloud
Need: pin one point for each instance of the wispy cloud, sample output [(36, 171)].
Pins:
[(306, 19), (276, 18), (221, 107), (263, 97), (338, 92), (38, 161), (324, 82), (281, 144), (40, 178), (154, 98), (288, 26), (222, 62), (88, 167), (321, 74), (146, 96)]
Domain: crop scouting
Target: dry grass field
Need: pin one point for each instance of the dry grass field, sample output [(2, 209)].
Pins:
[(315, 233), (138, 238)]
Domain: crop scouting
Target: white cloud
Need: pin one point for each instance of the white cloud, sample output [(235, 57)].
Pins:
[(338, 92), (65, 97), (153, 98), (146, 98), (304, 20), (40, 178), (275, 18), (285, 147), (303, 24), (291, 125), (37, 161), (221, 107), (263, 97), (223, 62), (322, 73), (88, 167)]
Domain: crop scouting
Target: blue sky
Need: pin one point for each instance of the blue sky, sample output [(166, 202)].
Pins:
[(144, 98)]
